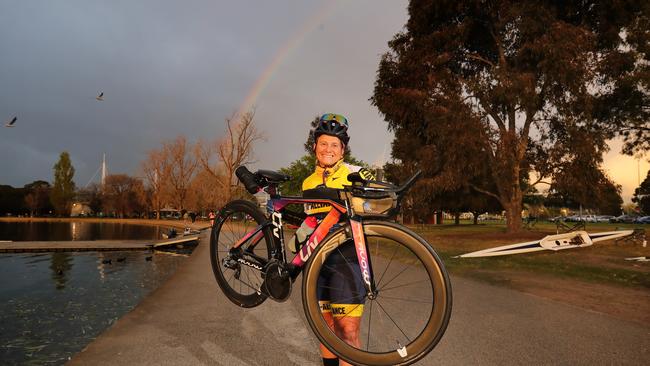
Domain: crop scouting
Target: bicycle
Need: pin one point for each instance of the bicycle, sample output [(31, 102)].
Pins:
[(407, 296)]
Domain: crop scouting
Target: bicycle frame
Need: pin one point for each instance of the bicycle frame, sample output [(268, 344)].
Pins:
[(320, 232)]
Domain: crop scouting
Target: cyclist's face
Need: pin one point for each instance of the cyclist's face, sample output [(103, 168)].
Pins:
[(329, 150)]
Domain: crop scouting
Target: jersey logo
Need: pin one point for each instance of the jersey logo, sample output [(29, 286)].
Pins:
[(366, 174)]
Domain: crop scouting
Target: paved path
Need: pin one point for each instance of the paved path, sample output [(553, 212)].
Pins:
[(188, 321)]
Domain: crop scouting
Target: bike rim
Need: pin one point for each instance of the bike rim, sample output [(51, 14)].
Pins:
[(242, 279), (411, 308)]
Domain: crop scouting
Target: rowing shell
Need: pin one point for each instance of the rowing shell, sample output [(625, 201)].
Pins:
[(574, 239)]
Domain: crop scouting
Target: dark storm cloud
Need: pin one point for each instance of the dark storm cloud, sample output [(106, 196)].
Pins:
[(166, 68), (170, 67)]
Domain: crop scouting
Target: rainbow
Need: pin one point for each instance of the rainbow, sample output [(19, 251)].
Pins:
[(294, 42)]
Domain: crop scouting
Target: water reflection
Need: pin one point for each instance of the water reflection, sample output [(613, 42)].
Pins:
[(60, 265), (52, 305), (64, 231), (73, 229)]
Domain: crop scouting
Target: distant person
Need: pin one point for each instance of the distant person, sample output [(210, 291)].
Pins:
[(211, 216), (193, 216), (172, 233)]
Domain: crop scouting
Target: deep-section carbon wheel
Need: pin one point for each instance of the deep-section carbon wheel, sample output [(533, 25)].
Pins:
[(238, 271), (404, 319)]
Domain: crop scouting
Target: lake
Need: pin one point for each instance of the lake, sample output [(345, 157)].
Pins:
[(53, 304), (65, 231)]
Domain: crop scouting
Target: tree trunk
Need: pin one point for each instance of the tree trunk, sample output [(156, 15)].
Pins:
[(456, 218), (475, 217), (513, 215), (507, 179)]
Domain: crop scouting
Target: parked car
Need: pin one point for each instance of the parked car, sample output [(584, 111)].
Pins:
[(579, 218), (604, 218), (627, 219), (489, 217), (572, 218), (642, 220)]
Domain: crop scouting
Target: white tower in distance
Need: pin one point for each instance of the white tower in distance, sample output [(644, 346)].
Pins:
[(104, 172)]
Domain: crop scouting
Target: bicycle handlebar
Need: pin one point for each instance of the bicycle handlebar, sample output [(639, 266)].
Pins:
[(404, 187), (255, 181), (380, 187), (248, 179)]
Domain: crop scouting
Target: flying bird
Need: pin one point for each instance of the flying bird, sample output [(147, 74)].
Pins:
[(11, 123), (100, 97)]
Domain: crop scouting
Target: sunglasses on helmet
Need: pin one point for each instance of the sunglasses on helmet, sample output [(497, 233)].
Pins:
[(333, 117)]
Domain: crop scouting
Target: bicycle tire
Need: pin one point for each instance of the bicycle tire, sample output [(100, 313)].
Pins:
[(399, 326), (240, 283)]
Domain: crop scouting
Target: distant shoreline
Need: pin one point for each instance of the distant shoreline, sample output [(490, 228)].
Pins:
[(180, 224)]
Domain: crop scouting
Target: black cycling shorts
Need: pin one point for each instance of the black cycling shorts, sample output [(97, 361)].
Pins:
[(340, 284)]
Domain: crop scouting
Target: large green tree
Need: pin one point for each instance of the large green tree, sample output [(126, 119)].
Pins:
[(62, 192), (514, 86), (626, 103), (298, 170), (427, 198), (592, 188)]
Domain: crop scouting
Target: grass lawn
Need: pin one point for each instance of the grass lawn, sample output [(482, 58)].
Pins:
[(597, 278), (603, 262)]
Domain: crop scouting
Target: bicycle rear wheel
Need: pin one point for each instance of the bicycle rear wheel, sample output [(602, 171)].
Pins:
[(407, 316), (239, 271)]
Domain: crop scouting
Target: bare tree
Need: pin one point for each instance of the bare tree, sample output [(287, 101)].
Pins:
[(203, 194), (123, 194), (181, 167), (156, 173), (221, 157)]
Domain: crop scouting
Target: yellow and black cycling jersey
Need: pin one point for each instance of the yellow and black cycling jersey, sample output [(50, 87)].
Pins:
[(333, 177)]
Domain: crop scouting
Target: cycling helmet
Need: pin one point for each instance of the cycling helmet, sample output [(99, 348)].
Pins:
[(334, 125)]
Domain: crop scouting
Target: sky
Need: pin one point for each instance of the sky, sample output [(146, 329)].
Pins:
[(168, 68)]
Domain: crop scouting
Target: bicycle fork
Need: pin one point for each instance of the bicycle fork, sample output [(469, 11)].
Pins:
[(363, 258)]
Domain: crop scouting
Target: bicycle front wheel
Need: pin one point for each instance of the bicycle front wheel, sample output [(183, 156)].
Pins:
[(238, 271), (403, 320)]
